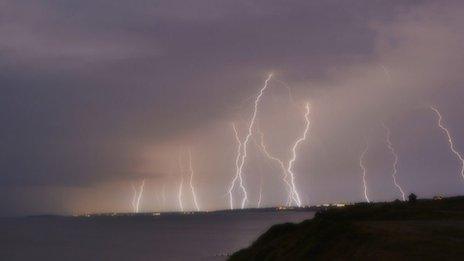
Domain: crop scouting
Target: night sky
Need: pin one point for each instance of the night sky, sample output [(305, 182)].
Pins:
[(98, 95)]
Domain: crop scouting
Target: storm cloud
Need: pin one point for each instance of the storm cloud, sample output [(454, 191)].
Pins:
[(97, 95)]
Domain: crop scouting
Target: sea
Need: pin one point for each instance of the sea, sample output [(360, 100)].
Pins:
[(204, 236)]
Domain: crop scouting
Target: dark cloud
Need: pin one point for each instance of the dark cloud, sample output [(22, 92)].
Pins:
[(102, 93)]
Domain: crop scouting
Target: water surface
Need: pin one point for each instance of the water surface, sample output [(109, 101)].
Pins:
[(170, 237)]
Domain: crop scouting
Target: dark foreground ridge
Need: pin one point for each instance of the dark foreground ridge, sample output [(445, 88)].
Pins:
[(423, 230)]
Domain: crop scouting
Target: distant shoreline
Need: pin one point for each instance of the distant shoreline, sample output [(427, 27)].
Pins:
[(178, 213)]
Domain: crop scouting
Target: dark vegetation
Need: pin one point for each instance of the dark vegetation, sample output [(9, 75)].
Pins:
[(415, 230)]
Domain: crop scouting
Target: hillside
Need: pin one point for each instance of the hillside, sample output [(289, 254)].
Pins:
[(424, 230)]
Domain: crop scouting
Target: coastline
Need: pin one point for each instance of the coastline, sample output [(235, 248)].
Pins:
[(426, 229)]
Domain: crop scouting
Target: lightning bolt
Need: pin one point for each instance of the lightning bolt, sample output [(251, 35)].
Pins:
[(295, 195), (395, 157), (260, 195), (281, 164), (388, 139), (289, 199), (260, 190), (237, 174), (450, 139), (191, 181), (179, 194), (137, 196), (140, 195), (243, 154), (290, 95), (181, 184), (134, 199), (363, 168)]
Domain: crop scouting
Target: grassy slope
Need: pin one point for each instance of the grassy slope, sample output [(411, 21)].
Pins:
[(426, 230)]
